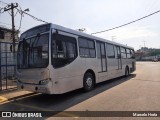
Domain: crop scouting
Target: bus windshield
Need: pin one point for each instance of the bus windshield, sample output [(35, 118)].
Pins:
[(33, 52)]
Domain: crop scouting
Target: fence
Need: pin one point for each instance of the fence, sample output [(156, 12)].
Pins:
[(7, 66)]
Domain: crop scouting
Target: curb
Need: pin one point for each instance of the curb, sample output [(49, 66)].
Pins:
[(14, 96)]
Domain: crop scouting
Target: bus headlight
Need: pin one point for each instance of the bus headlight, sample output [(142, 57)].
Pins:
[(44, 82)]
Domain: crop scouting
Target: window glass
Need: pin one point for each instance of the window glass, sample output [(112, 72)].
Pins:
[(71, 48), (103, 50), (117, 52), (132, 54), (123, 52), (91, 44), (110, 51), (33, 52), (84, 52), (87, 48), (63, 50), (98, 50), (35, 30), (128, 53), (92, 53), (83, 43)]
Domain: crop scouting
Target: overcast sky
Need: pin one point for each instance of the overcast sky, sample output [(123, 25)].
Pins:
[(96, 15)]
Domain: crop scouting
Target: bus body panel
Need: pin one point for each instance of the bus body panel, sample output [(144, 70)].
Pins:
[(70, 76)]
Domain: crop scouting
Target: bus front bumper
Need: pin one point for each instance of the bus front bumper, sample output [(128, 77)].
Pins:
[(35, 87)]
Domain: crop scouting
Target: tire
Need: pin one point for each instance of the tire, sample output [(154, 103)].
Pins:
[(88, 82), (127, 71)]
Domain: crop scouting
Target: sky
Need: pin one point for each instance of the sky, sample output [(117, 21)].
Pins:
[(94, 16)]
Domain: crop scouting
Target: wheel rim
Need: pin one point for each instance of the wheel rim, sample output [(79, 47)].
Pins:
[(89, 82)]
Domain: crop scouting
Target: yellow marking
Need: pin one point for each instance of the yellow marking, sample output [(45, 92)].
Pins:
[(61, 114), (3, 99), (43, 109), (4, 102), (19, 98)]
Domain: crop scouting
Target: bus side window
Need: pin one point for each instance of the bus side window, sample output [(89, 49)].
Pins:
[(86, 48), (132, 54), (117, 51), (98, 50), (128, 51), (64, 50), (110, 51), (123, 52)]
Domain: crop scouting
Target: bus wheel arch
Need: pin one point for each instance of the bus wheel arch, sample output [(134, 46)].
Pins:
[(127, 71), (89, 80)]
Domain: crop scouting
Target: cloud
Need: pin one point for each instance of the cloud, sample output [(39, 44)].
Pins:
[(129, 33)]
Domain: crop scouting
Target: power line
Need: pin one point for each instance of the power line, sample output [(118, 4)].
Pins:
[(35, 18), (2, 8), (128, 23), (21, 12)]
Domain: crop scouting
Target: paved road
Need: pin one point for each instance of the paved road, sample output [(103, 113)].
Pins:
[(138, 92)]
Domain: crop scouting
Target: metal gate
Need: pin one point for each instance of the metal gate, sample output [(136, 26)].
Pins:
[(7, 66)]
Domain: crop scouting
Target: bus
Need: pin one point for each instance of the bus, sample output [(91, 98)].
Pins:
[(52, 59)]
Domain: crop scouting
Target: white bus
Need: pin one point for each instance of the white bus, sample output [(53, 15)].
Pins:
[(53, 59)]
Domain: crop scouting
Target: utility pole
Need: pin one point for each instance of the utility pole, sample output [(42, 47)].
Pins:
[(144, 43), (144, 48), (11, 7), (7, 8)]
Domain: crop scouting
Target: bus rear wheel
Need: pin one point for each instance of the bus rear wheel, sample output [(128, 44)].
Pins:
[(88, 82)]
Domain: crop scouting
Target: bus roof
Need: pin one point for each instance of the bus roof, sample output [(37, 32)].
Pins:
[(75, 32), (78, 33)]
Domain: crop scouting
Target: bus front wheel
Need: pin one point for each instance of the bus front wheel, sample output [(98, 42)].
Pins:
[(88, 82)]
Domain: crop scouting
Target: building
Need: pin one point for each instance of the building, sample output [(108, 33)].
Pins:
[(147, 54), (6, 35), (7, 59)]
